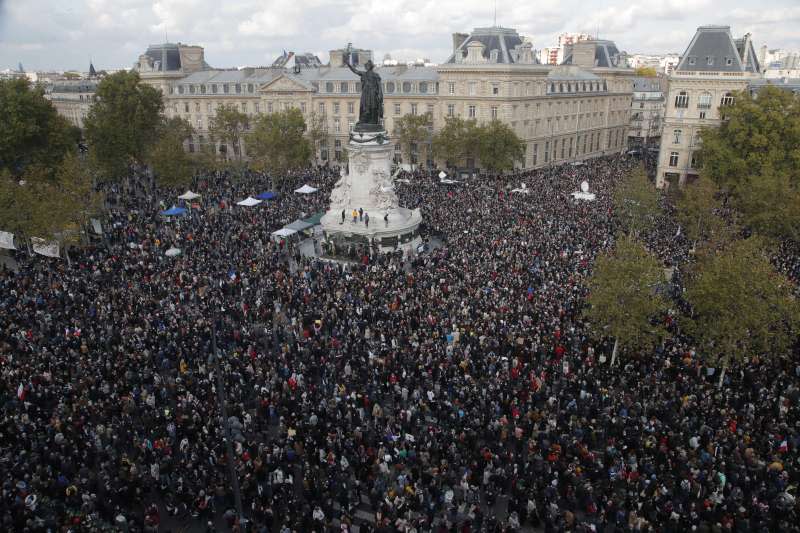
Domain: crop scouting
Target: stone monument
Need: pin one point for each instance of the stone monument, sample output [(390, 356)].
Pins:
[(367, 189)]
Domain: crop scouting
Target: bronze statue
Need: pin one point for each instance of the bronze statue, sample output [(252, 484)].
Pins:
[(370, 111)]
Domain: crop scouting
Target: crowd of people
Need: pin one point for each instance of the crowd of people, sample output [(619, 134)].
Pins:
[(459, 390)]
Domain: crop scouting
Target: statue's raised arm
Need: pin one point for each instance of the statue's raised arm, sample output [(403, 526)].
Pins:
[(347, 62)]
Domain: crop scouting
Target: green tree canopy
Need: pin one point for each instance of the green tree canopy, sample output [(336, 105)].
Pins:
[(278, 143), (413, 130), (741, 305), (317, 129), (122, 123), (636, 202), (622, 297), (646, 72), (228, 127), (457, 140), (499, 146), (754, 156), (172, 166), (697, 206), (31, 131)]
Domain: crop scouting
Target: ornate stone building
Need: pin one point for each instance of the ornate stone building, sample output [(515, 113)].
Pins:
[(563, 113), (72, 98), (713, 68), (647, 112)]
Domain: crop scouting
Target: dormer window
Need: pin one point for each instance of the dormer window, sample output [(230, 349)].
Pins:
[(552, 87), (729, 61), (709, 60), (692, 61)]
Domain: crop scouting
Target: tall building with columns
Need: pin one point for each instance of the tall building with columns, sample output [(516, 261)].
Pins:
[(714, 67)]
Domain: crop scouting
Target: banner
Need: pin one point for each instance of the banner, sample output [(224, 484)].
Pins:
[(7, 240), (97, 227), (43, 247)]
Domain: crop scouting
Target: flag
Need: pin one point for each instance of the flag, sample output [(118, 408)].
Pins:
[(21, 392), (784, 447)]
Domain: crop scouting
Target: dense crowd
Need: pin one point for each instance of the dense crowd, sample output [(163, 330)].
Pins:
[(455, 391)]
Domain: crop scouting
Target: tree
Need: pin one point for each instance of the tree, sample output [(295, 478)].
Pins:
[(228, 127), (32, 133), (741, 305), (457, 140), (122, 124), (696, 204), (172, 166), (413, 130), (754, 156), (317, 130), (623, 301), (636, 202), (278, 143), (499, 147), (646, 72)]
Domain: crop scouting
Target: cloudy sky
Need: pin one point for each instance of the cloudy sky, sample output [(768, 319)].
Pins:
[(64, 34)]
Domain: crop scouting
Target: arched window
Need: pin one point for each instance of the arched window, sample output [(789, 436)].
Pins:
[(552, 88), (329, 87), (389, 87), (406, 86), (676, 136), (561, 87), (682, 100), (423, 87), (726, 100), (605, 86)]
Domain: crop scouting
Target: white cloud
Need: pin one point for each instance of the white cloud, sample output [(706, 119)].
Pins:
[(236, 32)]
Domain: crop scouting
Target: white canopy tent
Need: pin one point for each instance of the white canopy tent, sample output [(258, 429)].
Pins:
[(283, 232), (189, 195), (249, 202), (306, 189)]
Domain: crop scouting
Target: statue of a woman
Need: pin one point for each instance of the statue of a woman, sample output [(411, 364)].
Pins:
[(370, 112)]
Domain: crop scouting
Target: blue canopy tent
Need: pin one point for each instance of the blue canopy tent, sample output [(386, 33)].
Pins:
[(174, 211), (269, 195)]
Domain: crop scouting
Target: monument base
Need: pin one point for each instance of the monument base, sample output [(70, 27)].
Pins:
[(368, 188)]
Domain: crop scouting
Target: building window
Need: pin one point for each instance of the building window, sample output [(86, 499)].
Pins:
[(423, 87), (337, 126), (473, 88), (397, 109), (238, 88), (244, 107), (343, 87), (250, 88), (495, 89), (336, 108), (682, 100), (704, 101), (563, 145), (451, 87), (413, 109), (191, 89), (673, 159), (676, 136), (214, 89), (535, 154), (257, 107), (269, 107), (350, 108), (472, 112), (202, 89), (225, 88), (692, 60), (406, 86), (570, 146), (709, 60), (186, 107), (702, 115), (494, 113), (726, 100), (208, 108), (430, 110), (390, 87), (302, 108), (451, 110), (180, 89), (729, 61), (322, 108), (329, 87)]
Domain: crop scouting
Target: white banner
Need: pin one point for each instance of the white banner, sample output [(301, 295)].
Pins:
[(7, 240), (96, 226), (43, 247)]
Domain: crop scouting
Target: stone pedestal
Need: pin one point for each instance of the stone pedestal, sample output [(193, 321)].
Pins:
[(368, 186)]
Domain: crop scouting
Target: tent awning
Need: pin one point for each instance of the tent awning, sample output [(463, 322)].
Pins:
[(249, 202), (269, 195), (284, 232), (299, 225), (189, 195), (306, 189), (315, 219), (174, 211)]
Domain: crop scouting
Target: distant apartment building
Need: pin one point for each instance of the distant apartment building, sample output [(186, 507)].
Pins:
[(714, 67), (72, 98), (647, 112)]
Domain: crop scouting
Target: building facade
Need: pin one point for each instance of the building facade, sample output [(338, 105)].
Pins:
[(647, 112), (72, 98), (563, 113), (714, 67)]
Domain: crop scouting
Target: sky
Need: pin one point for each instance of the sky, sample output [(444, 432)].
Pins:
[(65, 34)]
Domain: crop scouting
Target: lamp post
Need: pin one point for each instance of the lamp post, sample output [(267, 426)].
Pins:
[(234, 478)]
